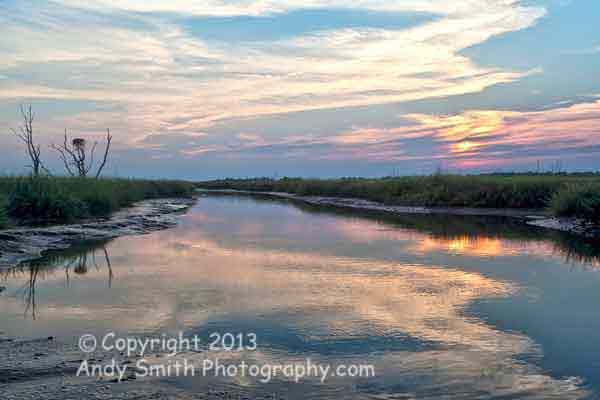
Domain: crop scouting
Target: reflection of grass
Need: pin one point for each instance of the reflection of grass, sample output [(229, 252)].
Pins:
[(52, 260), (3, 217), (67, 199), (572, 248), (452, 227), (577, 250), (63, 257), (77, 258), (510, 191), (443, 226)]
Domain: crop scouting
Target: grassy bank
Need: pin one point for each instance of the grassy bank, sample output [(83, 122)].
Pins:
[(490, 191), (581, 201), (62, 199)]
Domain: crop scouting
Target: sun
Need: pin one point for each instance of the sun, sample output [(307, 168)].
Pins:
[(464, 147)]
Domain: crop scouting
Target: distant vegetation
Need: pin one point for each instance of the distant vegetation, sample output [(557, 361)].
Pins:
[(64, 199), (490, 191)]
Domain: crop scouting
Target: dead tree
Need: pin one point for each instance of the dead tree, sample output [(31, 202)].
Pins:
[(106, 151), (25, 134), (75, 156)]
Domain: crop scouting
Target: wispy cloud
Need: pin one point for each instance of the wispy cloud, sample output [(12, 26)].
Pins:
[(172, 80), (267, 7), (473, 139), (489, 137)]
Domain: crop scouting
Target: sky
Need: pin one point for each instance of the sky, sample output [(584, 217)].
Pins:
[(314, 88)]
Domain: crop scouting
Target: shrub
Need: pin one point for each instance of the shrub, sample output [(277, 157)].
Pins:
[(580, 201)]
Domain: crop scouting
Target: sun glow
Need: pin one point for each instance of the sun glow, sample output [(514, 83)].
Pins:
[(465, 147)]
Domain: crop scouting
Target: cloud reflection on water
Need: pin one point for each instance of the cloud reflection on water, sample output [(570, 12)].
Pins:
[(411, 319)]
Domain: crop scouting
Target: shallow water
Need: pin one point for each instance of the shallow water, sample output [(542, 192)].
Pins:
[(442, 307)]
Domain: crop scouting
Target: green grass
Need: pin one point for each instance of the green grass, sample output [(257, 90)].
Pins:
[(62, 199), (489, 191), (581, 201)]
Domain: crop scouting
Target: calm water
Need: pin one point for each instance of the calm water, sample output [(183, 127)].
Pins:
[(442, 307)]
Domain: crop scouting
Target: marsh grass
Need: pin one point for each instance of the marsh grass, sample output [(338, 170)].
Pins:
[(580, 201), (488, 191), (65, 199)]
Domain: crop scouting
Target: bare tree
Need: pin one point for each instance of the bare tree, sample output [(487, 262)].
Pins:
[(106, 151), (74, 155), (25, 134)]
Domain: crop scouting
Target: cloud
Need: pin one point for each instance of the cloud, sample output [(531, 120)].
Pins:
[(169, 80), (481, 138), (269, 7), (473, 139)]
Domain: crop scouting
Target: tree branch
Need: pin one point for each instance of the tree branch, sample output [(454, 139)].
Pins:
[(91, 163), (106, 151)]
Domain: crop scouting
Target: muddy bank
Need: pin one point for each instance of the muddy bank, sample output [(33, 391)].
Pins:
[(532, 217), (23, 244), (570, 225), (46, 369)]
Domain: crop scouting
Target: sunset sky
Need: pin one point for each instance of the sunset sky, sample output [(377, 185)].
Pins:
[(323, 88)]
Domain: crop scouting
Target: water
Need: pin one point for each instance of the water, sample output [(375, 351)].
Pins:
[(442, 307)]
